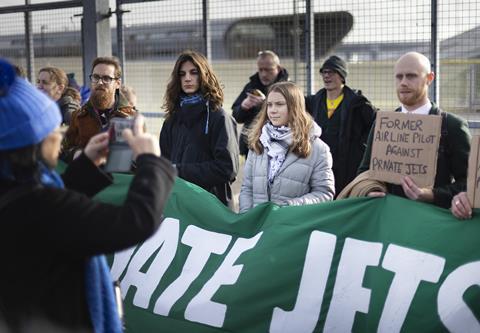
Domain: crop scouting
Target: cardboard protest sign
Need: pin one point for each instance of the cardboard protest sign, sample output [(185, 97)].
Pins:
[(473, 178), (405, 145)]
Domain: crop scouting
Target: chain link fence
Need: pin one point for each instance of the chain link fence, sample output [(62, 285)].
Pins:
[(369, 34)]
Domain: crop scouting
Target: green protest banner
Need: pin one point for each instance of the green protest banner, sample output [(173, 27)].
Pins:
[(361, 265)]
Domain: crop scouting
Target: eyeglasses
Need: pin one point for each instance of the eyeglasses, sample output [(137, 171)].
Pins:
[(95, 78), (327, 72)]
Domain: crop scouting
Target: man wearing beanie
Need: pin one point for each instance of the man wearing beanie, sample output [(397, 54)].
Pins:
[(52, 235), (105, 102), (345, 116)]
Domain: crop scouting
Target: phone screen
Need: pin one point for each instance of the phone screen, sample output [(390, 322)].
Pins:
[(120, 154)]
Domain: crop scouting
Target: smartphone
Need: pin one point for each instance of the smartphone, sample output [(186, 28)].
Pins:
[(119, 152)]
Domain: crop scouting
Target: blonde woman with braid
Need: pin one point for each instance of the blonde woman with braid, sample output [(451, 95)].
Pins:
[(287, 164)]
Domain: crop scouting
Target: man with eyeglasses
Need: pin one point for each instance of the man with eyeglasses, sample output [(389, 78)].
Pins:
[(250, 101), (105, 103), (345, 116)]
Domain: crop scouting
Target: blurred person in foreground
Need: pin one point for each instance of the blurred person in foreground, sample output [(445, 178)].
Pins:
[(250, 101), (413, 76), (56, 275), (198, 136), (345, 116), (54, 83), (105, 102), (288, 163)]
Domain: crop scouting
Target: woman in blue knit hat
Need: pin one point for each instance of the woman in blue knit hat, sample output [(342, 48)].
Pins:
[(52, 239)]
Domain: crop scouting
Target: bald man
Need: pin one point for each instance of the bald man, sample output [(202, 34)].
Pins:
[(250, 101), (413, 76)]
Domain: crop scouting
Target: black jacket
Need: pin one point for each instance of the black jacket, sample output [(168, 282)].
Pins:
[(203, 145), (357, 115), (452, 159), (246, 117), (48, 234)]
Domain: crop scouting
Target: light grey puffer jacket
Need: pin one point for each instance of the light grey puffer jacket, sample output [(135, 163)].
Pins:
[(300, 181)]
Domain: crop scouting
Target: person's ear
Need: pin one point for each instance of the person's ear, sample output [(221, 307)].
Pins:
[(430, 77)]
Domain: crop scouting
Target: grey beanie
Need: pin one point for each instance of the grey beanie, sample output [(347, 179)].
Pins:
[(337, 64)]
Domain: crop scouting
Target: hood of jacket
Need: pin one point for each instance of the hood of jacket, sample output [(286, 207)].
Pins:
[(315, 131)]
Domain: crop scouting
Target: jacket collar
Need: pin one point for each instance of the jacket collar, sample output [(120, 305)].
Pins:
[(435, 110), (255, 79)]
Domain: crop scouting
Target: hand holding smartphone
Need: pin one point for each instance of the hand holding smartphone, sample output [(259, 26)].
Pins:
[(120, 154)]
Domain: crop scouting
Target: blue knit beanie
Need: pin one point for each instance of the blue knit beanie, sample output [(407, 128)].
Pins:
[(27, 115)]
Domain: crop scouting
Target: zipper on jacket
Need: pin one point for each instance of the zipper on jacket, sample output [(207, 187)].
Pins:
[(269, 194)]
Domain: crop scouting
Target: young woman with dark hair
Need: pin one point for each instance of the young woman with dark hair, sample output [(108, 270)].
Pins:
[(198, 136)]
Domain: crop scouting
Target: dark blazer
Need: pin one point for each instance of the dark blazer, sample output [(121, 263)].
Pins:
[(357, 115), (48, 234), (452, 160)]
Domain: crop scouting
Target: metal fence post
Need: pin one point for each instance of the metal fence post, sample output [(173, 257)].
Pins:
[(97, 37), (309, 46), (29, 45), (435, 54), (207, 40), (120, 39)]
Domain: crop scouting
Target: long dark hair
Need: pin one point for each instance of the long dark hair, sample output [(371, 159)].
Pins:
[(210, 87)]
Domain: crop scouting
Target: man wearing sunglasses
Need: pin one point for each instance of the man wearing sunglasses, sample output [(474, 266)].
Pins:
[(105, 103)]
